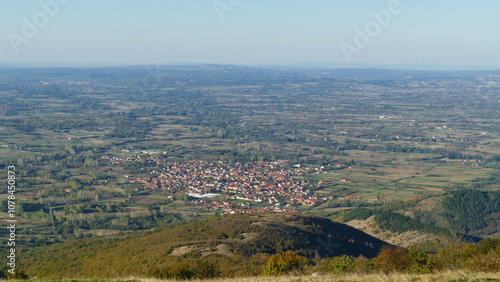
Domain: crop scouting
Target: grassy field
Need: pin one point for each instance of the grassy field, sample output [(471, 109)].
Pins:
[(392, 176), (456, 276)]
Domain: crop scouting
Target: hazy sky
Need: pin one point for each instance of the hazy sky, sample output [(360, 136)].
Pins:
[(452, 32)]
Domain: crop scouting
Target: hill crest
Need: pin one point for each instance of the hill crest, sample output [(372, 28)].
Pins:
[(235, 238)]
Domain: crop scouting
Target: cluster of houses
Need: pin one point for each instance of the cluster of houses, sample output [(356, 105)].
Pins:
[(259, 182), (235, 211), (268, 182), (233, 208), (242, 105)]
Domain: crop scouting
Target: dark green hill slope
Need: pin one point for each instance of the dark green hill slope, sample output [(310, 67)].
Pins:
[(469, 211), (234, 242), (468, 214)]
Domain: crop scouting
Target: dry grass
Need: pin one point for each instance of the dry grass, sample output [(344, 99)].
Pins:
[(442, 276)]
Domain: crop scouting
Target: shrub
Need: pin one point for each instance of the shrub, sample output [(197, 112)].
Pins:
[(363, 265), (422, 262), (204, 269), (453, 257), (489, 262), (489, 244), (19, 275), (281, 264), (188, 269), (178, 271), (393, 259), (342, 264)]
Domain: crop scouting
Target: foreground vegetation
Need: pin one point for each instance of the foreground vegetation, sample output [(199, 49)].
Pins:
[(268, 244), (485, 257), (237, 244), (465, 262), (444, 276), (447, 276)]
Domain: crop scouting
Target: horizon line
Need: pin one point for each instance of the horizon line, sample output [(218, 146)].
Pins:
[(313, 65)]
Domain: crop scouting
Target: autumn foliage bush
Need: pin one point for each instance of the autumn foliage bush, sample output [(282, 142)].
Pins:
[(342, 264), (393, 259), (189, 269), (484, 257), (284, 263)]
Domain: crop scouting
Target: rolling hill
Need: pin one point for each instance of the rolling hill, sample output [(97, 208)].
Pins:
[(467, 214), (236, 243)]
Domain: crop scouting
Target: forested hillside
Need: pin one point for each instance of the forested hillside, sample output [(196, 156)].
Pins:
[(473, 211), (268, 244), (239, 244)]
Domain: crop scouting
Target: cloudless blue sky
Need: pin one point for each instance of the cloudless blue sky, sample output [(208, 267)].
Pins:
[(256, 32)]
